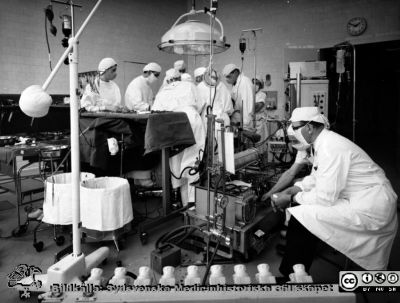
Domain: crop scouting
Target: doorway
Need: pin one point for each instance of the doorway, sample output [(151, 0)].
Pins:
[(377, 109)]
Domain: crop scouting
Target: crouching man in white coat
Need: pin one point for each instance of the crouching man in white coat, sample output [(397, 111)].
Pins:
[(350, 205)]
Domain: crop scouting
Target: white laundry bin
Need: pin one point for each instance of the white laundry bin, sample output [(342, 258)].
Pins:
[(57, 205), (106, 203)]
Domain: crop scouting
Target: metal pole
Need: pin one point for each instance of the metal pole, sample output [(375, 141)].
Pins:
[(75, 168), (210, 162), (74, 121), (298, 91), (72, 19), (254, 84), (354, 93), (253, 30)]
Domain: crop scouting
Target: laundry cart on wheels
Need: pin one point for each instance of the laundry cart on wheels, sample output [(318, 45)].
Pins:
[(106, 209), (57, 205)]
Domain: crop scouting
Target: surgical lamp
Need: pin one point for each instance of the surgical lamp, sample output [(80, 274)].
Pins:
[(193, 37)]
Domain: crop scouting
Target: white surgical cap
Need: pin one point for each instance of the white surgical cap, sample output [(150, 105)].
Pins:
[(105, 64), (309, 114), (259, 78), (171, 74), (152, 66), (35, 102), (229, 68), (186, 77), (199, 71), (180, 64)]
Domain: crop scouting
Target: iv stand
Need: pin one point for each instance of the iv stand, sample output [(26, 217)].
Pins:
[(253, 50)]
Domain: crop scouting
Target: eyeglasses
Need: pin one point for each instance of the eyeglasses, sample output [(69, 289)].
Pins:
[(112, 69), (300, 126)]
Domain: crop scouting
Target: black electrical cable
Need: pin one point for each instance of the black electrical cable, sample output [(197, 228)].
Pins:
[(47, 41), (192, 172), (169, 234), (203, 282), (172, 232), (189, 233)]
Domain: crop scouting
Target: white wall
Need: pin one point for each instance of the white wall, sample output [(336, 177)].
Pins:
[(127, 30), (299, 24)]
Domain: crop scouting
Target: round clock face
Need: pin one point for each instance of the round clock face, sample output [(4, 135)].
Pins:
[(356, 26)]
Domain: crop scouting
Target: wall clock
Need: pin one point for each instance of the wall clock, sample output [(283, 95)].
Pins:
[(356, 26)]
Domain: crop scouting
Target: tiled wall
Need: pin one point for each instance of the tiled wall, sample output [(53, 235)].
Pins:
[(127, 30)]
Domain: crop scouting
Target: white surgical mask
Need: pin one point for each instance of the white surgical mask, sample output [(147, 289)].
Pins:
[(299, 136), (299, 145), (151, 79)]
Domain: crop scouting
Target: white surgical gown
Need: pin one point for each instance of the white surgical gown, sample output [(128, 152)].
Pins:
[(242, 94), (179, 97), (109, 95), (222, 107), (352, 205), (139, 95), (261, 116)]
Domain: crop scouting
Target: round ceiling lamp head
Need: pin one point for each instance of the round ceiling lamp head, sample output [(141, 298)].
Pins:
[(192, 38)]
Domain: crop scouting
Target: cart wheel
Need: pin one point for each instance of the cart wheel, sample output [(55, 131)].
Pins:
[(59, 240), (24, 295), (144, 237), (38, 246), (20, 230)]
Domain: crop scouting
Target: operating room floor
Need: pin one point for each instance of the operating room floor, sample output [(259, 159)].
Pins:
[(15, 251)]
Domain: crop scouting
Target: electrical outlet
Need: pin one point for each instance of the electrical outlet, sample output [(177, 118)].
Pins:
[(319, 100)]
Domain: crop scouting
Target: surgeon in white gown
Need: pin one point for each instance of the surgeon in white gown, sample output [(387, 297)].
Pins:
[(216, 97), (242, 94), (103, 93), (139, 93), (179, 96), (346, 202)]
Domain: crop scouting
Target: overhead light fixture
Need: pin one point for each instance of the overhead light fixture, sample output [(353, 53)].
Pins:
[(193, 37)]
